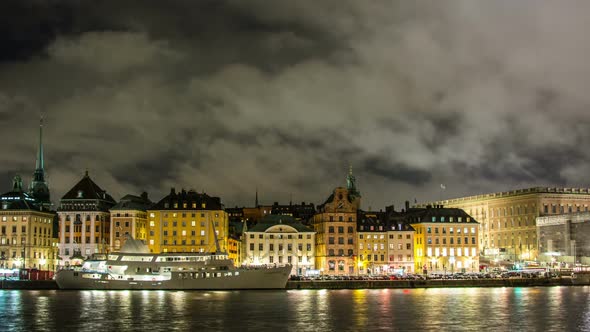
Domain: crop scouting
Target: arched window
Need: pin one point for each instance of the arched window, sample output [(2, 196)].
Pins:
[(68, 218), (97, 218), (78, 217), (87, 217)]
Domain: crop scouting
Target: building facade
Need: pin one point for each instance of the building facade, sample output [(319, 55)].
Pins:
[(335, 227), (187, 221), (129, 219), (507, 219), (84, 221), (445, 240), (279, 239), (564, 239), (26, 231), (371, 244), (400, 241)]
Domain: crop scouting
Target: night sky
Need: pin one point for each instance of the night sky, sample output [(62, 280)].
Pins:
[(229, 96)]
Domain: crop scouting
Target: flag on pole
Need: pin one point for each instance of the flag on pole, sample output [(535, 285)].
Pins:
[(443, 187)]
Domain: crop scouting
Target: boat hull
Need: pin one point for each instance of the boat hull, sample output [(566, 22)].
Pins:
[(261, 278)]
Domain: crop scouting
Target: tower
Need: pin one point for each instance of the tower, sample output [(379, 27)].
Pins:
[(38, 188), (351, 185)]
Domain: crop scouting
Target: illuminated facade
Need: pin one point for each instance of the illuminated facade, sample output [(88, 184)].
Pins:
[(335, 227), (400, 240), (507, 219), (26, 237), (372, 244), (278, 239), (445, 240), (129, 218), (84, 221), (185, 222)]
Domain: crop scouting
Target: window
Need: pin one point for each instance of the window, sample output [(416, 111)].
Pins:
[(340, 240), (331, 229), (260, 246), (309, 247), (331, 240), (428, 230), (408, 246), (251, 246), (350, 229)]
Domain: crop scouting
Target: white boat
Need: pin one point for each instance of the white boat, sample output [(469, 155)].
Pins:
[(135, 268)]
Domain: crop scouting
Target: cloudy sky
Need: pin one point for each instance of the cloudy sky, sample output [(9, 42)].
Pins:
[(228, 96)]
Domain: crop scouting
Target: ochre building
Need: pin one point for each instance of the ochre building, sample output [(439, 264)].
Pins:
[(187, 221), (507, 219)]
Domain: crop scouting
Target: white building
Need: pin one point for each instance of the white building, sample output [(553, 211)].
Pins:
[(278, 239)]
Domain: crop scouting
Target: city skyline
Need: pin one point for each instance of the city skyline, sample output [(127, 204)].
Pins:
[(228, 98)]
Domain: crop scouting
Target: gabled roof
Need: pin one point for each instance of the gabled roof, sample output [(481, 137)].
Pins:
[(87, 189)]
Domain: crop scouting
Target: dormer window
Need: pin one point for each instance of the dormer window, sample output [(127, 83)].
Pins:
[(80, 194)]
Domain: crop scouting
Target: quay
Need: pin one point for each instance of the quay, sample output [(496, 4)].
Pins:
[(583, 280), (437, 283)]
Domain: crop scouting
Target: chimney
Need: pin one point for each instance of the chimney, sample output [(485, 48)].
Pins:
[(407, 205), (172, 191)]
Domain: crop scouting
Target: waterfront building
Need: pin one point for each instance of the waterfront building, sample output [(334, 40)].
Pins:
[(39, 188), (564, 238), (26, 236), (234, 243), (84, 221), (279, 239), (507, 219), (445, 240), (400, 240), (129, 219), (372, 243), (187, 221), (335, 227)]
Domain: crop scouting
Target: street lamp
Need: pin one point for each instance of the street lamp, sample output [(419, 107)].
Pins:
[(452, 261)]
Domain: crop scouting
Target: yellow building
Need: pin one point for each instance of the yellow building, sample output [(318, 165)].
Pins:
[(187, 222), (129, 218), (507, 219), (372, 244), (26, 231), (335, 227), (445, 240)]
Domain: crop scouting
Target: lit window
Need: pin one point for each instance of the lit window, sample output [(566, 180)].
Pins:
[(193, 223), (152, 215), (202, 233), (183, 233), (152, 242), (152, 223)]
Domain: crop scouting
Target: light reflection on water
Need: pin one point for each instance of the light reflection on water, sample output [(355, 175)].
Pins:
[(457, 309)]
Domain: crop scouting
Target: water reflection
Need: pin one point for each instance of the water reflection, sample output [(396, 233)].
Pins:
[(457, 309)]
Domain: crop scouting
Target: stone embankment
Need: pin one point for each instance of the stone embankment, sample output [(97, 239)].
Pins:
[(368, 284)]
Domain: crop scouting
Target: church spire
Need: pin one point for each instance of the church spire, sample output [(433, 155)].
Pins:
[(40, 163), (256, 201), (38, 188)]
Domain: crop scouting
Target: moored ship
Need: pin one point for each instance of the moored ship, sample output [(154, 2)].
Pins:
[(135, 268)]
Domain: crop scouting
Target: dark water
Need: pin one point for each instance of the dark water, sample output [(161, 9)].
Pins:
[(458, 309)]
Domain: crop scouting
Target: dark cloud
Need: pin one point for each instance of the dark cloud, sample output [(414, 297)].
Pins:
[(230, 96)]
